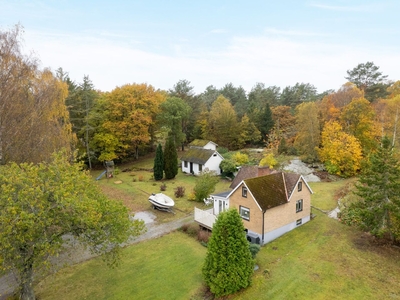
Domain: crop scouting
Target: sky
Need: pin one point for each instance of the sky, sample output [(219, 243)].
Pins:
[(277, 43)]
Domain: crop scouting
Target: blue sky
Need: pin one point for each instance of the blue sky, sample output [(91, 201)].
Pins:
[(209, 42)]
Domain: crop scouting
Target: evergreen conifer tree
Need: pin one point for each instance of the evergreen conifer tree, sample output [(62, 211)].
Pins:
[(266, 121), (229, 264), (170, 159), (158, 168), (379, 189)]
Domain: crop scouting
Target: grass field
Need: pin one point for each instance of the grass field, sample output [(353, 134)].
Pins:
[(134, 187), (323, 259)]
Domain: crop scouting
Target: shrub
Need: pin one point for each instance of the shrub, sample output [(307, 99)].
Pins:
[(203, 236), (254, 249), (179, 192), (190, 229), (163, 187), (205, 185), (141, 178), (222, 150)]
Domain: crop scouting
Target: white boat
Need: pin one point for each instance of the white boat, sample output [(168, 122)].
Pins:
[(161, 201)]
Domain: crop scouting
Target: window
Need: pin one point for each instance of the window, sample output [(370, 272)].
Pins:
[(299, 186), (244, 213), (185, 164), (200, 168), (299, 205), (299, 221), (244, 191)]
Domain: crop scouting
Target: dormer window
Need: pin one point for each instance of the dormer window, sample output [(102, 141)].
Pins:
[(244, 192), (299, 186)]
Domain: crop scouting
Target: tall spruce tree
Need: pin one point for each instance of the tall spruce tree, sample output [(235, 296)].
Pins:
[(158, 169), (266, 122), (170, 159), (229, 264), (379, 189)]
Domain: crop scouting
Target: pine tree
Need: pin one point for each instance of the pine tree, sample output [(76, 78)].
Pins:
[(266, 121), (170, 159), (379, 190), (229, 264), (158, 169)]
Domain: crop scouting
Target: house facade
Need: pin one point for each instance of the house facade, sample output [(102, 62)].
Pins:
[(269, 205), (202, 155)]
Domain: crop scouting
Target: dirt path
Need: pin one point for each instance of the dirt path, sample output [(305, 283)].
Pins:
[(75, 253)]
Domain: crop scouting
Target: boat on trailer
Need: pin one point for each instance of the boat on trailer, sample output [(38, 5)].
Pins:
[(161, 201)]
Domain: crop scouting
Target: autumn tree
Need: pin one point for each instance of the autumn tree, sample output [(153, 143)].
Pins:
[(358, 120), (284, 126), (174, 112), (228, 266), (368, 78), (308, 130), (249, 132), (158, 169), (237, 97), (341, 152), (378, 187), (170, 159), (43, 206), (223, 126), (33, 115), (126, 117)]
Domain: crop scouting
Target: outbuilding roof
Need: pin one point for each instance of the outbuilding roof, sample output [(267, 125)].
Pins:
[(197, 155), (200, 143)]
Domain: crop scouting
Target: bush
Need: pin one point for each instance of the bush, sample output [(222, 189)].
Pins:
[(203, 236), (179, 192), (163, 187), (254, 249), (141, 178), (190, 229)]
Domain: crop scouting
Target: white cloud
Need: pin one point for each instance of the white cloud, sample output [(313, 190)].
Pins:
[(245, 61), (346, 8)]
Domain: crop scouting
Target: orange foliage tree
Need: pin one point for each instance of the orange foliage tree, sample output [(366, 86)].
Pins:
[(341, 152), (127, 120)]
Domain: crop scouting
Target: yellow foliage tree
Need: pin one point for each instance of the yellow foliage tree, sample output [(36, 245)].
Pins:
[(129, 115), (357, 119), (268, 160), (341, 152)]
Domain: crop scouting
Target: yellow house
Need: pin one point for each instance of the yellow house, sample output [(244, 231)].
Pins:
[(269, 205)]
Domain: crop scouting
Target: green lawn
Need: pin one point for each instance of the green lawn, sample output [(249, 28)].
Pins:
[(322, 259), (164, 268), (326, 194)]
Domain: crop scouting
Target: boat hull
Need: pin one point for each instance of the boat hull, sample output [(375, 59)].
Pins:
[(162, 201)]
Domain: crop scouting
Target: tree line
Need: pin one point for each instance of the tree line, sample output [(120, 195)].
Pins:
[(42, 112)]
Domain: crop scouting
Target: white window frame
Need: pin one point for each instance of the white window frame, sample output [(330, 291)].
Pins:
[(244, 191), (299, 186), (299, 205), (244, 213)]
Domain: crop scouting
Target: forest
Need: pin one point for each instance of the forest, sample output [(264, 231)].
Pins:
[(43, 110)]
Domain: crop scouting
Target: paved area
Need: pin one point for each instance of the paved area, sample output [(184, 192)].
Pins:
[(75, 253)]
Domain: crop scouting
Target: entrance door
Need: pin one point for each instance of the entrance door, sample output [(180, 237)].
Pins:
[(191, 168)]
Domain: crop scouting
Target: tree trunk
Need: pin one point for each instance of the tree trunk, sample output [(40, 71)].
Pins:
[(26, 283)]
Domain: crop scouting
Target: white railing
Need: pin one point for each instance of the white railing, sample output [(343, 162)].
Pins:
[(205, 218)]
